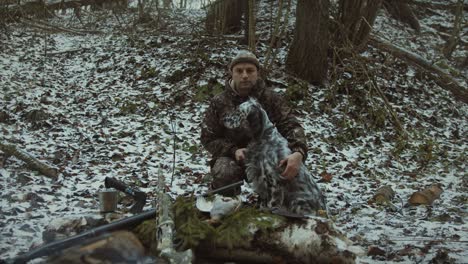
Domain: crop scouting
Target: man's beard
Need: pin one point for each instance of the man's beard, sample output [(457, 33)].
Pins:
[(245, 88)]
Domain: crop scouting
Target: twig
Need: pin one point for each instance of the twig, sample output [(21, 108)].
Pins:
[(387, 103)]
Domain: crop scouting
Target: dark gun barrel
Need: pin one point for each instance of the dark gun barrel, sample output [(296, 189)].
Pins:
[(56, 246)]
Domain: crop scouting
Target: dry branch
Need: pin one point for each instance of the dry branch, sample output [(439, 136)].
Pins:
[(443, 79), (33, 163)]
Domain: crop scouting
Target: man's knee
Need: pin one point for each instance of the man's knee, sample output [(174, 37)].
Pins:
[(226, 171)]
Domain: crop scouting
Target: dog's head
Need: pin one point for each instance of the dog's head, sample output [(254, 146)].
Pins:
[(248, 116)]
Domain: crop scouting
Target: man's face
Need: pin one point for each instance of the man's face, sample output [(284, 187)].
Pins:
[(244, 77)]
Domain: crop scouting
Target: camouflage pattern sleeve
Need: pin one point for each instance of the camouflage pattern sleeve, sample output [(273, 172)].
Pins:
[(286, 123), (212, 134)]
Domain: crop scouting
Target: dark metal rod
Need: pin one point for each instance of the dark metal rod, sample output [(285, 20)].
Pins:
[(59, 245), (226, 187)]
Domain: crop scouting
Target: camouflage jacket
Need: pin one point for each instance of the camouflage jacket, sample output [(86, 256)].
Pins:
[(223, 142)]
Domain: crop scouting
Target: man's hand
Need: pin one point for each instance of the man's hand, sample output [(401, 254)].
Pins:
[(240, 154), (293, 163)]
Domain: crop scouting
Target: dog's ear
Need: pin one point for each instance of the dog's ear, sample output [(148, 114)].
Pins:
[(255, 119)]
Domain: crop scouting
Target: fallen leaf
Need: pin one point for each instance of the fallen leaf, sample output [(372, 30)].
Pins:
[(325, 177)]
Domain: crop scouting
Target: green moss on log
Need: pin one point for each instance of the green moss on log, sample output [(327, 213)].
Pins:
[(235, 229)]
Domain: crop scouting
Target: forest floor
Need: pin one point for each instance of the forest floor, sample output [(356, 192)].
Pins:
[(125, 99)]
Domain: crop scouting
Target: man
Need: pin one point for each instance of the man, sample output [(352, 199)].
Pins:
[(228, 146)]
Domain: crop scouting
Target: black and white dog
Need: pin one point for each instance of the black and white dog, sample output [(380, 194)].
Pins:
[(300, 195)]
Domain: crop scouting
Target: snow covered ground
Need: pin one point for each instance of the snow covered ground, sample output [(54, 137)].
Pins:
[(115, 104)]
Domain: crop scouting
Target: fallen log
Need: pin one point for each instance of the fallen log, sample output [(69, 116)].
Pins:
[(32, 162), (443, 79), (250, 235)]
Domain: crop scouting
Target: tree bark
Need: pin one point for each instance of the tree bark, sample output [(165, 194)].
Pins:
[(442, 78), (307, 57)]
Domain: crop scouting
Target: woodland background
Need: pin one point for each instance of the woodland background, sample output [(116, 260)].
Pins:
[(90, 89)]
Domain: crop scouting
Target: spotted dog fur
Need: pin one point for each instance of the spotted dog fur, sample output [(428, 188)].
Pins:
[(300, 195)]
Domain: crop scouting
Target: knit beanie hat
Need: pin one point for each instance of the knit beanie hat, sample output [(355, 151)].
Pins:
[(244, 56)]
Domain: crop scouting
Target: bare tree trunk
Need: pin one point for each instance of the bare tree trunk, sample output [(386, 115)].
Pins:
[(224, 16), (307, 56), (356, 19), (401, 11)]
